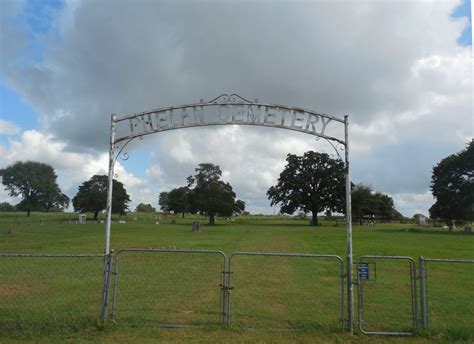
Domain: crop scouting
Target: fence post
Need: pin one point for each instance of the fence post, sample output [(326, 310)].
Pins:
[(224, 288), (423, 293), (105, 294)]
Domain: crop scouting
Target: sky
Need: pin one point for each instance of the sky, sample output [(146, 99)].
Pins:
[(401, 70)]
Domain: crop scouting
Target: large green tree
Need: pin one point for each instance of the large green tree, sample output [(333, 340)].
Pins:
[(239, 207), (163, 201), (179, 200), (313, 182), (452, 185), (145, 208), (363, 205), (92, 196), (370, 205), (208, 194), (36, 183)]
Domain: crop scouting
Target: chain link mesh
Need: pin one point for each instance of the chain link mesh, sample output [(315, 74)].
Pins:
[(44, 292)]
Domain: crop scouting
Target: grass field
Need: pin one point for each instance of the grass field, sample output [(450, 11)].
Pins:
[(58, 299)]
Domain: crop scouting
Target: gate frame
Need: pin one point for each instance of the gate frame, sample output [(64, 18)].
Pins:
[(222, 286), (414, 299), (424, 282), (232, 100), (277, 254)]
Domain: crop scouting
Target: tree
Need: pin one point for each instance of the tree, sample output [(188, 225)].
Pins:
[(370, 205), (384, 207), (163, 202), (239, 207), (210, 195), (179, 200), (312, 183), (145, 208), (54, 199), (397, 216), (452, 185), (363, 205), (92, 196), (7, 207), (36, 183)]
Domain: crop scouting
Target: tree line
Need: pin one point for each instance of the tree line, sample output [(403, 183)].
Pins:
[(205, 193), (311, 183)]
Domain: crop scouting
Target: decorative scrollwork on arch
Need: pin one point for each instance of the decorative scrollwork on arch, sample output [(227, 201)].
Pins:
[(337, 146), (228, 98), (121, 153)]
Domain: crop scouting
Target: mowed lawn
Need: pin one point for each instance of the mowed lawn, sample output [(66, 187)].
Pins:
[(274, 299)]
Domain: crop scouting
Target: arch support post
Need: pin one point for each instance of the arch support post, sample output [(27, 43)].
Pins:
[(108, 222), (350, 284)]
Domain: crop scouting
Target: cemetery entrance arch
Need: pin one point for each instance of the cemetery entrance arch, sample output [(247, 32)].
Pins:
[(231, 110)]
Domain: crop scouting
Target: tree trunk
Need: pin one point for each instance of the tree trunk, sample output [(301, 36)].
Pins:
[(96, 214), (28, 212), (450, 224), (315, 218), (212, 219), (182, 215)]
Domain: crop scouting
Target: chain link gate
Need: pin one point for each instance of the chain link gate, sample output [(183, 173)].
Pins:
[(413, 291), (221, 286), (424, 283), (230, 287)]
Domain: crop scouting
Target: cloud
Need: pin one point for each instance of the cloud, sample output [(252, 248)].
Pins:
[(8, 128), (410, 204), (72, 168), (394, 67)]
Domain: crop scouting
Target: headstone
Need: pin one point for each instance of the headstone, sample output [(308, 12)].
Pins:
[(467, 230), (196, 225), (173, 222), (421, 220), (81, 219)]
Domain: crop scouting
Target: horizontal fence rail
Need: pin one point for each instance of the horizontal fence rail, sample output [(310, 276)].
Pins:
[(413, 290), (287, 255)]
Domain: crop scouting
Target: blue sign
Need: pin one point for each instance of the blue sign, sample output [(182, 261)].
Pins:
[(363, 271)]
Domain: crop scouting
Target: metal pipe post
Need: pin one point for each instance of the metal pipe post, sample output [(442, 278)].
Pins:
[(350, 291), (422, 293), (107, 267)]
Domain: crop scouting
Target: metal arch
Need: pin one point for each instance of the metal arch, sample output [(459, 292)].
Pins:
[(286, 117), (229, 123), (225, 99), (309, 117)]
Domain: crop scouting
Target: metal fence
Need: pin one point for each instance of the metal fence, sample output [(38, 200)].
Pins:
[(438, 306), (41, 292), (309, 292), (169, 287), (176, 287), (393, 281)]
